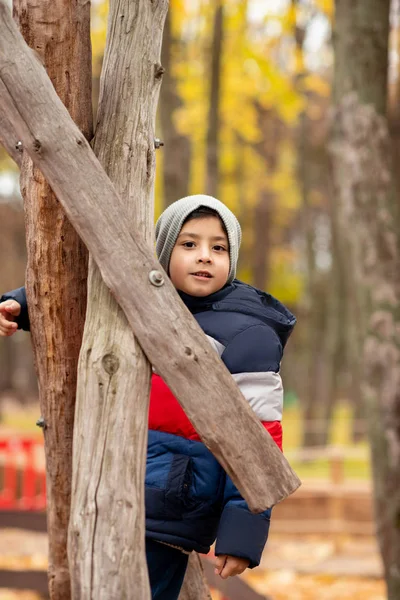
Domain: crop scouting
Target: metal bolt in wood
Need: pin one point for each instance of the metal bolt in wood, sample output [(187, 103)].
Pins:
[(156, 278)]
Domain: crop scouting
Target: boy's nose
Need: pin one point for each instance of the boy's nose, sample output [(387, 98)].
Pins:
[(204, 258)]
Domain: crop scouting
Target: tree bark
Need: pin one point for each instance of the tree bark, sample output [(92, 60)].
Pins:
[(195, 586), (268, 148), (167, 332), (177, 153), (59, 33), (214, 124), (364, 183), (107, 527), (262, 227)]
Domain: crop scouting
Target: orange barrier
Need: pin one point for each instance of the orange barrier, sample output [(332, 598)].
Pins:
[(22, 477)]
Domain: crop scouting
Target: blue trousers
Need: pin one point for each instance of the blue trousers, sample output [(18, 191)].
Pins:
[(167, 567)]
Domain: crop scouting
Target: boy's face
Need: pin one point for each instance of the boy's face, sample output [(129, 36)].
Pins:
[(199, 263)]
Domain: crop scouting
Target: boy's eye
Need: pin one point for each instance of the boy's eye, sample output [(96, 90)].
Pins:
[(219, 248), (188, 244)]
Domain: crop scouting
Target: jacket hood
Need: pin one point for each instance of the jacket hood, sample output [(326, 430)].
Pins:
[(246, 299)]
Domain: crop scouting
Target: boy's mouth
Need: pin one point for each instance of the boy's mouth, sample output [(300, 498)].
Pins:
[(203, 274)]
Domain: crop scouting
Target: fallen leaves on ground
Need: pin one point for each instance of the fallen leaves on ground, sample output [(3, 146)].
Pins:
[(23, 550), (287, 585), (18, 595)]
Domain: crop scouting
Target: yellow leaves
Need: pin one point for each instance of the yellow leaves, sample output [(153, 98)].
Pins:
[(275, 88), (290, 18), (99, 13), (178, 12), (286, 280), (315, 83), (6, 163), (284, 183), (177, 7), (326, 6), (286, 584)]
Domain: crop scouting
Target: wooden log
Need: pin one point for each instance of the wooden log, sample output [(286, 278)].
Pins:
[(59, 33), (195, 586), (167, 332), (110, 433)]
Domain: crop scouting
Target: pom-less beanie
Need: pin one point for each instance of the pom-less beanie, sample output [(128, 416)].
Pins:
[(171, 221)]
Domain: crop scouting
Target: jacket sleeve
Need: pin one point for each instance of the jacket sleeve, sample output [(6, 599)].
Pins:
[(253, 357), (20, 296), (241, 533)]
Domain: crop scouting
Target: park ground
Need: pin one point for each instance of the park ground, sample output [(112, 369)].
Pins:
[(294, 567)]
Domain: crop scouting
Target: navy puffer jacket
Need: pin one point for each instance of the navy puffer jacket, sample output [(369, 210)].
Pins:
[(190, 501)]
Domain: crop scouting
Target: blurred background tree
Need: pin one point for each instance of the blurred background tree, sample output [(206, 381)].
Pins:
[(244, 114)]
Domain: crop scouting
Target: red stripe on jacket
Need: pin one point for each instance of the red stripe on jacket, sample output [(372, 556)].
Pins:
[(167, 415)]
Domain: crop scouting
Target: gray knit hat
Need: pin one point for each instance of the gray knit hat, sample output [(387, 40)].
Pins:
[(170, 223)]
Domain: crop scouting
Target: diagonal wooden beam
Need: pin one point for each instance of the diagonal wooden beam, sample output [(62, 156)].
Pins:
[(167, 332)]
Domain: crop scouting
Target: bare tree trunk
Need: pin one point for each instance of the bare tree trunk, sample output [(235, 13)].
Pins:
[(394, 98), (370, 216), (59, 32), (107, 544), (262, 227), (316, 304), (336, 322), (177, 153), (214, 121), (167, 332)]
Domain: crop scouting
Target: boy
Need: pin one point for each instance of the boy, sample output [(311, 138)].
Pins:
[(190, 501)]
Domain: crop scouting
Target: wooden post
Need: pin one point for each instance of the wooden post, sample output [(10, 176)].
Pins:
[(195, 586), (107, 526), (59, 32), (167, 332)]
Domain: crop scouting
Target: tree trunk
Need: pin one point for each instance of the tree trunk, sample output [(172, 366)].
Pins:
[(177, 153), (214, 124), (167, 332), (362, 168), (59, 32), (195, 585), (107, 530), (394, 98), (335, 319), (263, 214), (262, 227)]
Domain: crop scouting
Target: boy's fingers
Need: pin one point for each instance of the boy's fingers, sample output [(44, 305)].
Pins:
[(232, 567), (10, 308), (8, 325), (220, 563), (8, 328), (227, 571)]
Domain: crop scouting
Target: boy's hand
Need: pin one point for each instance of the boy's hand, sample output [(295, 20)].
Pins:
[(9, 310), (228, 566)]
